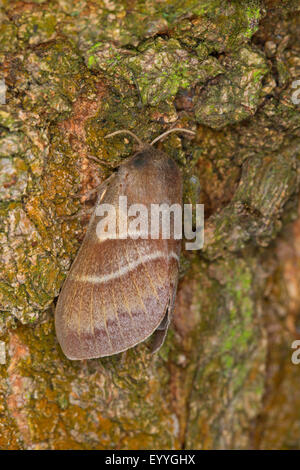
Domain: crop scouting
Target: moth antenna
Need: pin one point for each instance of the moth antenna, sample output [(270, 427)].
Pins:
[(126, 131), (176, 129)]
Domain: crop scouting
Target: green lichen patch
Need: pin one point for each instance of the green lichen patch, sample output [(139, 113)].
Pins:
[(159, 70), (220, 26), (87, 405), (36, 28), (233, 347), (54, 80), (8, 36), (236, 94), (13, 178), (22, 294), (12, 143), (255, 210)]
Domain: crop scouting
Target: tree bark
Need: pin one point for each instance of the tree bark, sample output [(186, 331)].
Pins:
[(72, 72)]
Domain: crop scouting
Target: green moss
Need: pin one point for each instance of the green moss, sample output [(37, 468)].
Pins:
[(8, 37), (159, 70)]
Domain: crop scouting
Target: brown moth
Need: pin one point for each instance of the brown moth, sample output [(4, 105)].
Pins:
[(121, 291)]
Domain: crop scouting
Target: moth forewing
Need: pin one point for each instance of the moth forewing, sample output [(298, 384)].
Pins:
[(119, 291)]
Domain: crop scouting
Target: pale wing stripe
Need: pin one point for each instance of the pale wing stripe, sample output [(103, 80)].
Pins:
[(132, 234), (121, 271), (125, 269), (124, 235)]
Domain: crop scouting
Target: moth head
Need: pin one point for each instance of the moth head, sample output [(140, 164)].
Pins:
[(147, 158)]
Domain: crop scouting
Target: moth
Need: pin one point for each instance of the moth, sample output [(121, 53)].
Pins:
[(121, 291)]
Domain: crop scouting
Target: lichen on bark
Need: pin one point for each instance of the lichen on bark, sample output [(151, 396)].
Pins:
[(76, 71)]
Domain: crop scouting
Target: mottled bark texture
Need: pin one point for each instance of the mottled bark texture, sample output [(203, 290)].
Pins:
[(77, 70)]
